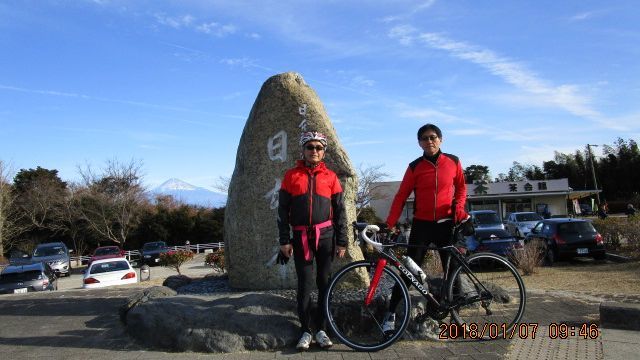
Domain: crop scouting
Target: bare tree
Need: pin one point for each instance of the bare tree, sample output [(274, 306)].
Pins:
[(111, 201), (10, 227), (368, 186), (222, 184), (70, 220)]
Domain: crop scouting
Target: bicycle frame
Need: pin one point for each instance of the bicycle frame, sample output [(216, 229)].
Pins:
[(388, 257)]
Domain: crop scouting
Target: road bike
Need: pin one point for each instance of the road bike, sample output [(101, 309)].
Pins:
[(483, 293)]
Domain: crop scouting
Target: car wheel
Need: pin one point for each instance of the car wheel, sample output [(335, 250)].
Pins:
[(551, 257), (600, 257)]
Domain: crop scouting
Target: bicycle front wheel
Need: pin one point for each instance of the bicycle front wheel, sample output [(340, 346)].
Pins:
[(490, 299), (360, 326)]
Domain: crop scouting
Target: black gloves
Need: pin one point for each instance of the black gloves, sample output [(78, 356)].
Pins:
[(282, 260), (466, 227)]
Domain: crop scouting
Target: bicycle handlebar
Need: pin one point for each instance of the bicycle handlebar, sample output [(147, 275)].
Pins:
[(374, 229)]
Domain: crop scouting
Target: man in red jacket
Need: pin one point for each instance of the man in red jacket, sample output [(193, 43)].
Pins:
[(311, 204), (437, 181)]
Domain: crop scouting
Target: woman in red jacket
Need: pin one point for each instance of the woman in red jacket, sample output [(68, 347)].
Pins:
[(311, 204), (437, 181)]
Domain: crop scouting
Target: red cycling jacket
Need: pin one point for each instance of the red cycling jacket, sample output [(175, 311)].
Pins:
[(310, 196), (435, 188)]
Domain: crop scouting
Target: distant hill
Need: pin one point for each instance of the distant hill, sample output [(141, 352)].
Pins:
[(190, 194)]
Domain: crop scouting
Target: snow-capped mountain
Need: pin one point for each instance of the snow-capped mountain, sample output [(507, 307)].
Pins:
[(190, 194)]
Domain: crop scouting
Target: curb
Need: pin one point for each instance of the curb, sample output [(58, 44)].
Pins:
[(614, 315), (617, 258)]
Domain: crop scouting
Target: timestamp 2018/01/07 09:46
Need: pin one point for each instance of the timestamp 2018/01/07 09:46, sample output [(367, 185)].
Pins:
[(521, 331)]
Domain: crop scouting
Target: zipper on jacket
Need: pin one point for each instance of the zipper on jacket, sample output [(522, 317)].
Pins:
[(435, 195), (311, 186)]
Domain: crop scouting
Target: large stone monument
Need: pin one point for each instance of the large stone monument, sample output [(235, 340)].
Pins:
[(284, 108)]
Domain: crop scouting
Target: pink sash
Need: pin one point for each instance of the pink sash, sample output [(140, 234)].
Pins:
[(305, 240)]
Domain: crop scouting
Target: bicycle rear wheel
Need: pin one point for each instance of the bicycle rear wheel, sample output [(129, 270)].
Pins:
[(360, 326), (503, 292)]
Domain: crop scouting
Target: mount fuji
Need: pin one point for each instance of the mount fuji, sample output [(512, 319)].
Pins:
[(190, 194)]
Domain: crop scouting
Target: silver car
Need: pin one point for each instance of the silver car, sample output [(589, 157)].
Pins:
[(16, 279), (519, 224), (56, 255)]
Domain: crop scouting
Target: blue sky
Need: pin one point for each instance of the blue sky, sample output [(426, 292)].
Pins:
[(171, 83)]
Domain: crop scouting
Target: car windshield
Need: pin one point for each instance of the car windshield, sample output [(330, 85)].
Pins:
[(108, 267), (153, 246), (487, 218), (576, 228), (49, 251), (107, 251), (20, 276), (528, 217)]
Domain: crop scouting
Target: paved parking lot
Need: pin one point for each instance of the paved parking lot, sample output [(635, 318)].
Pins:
[(194, 268)]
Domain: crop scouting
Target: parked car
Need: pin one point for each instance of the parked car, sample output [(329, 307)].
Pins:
[(486, 219), (151, 252), (55, 254), (585, 209), (519, 224), (106, 252), (109, 272), (17, 279), (567, 237), (497, 241), (19, 257)]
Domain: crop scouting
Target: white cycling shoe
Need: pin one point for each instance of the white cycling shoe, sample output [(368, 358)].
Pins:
[(389, 325), (323, 340), (304, 342)]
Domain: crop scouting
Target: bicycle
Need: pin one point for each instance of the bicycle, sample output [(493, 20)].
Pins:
[(484, 294)]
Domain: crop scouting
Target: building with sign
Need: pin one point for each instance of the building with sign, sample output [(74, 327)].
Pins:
[(546, 197)]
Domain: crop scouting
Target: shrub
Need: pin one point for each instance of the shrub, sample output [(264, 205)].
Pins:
[(620, 233), (530, 257), (175, 259), (216, 259)]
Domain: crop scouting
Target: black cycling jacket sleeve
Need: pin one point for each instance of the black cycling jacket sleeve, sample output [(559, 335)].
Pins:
[(284, 203), (339, 218)]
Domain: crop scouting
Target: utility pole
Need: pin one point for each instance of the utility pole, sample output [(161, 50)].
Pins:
[(593, 172)]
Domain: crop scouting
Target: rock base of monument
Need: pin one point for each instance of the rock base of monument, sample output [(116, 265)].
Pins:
[(161, 318)]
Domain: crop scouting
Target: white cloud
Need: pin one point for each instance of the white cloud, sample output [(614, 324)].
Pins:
[(216, 29), (588, 15), (404, 34), (244, 63), (175, 22), (567, 97), (189, 22), (427, 114), (103, 99), (254, 36), (423, 5), (362, 81)]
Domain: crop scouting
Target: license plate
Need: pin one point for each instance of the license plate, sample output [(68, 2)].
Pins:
[(583, 251), (157, 260), (20, 291)]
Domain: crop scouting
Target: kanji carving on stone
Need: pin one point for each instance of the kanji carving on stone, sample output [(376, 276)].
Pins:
[(277, 146), (272, 195)]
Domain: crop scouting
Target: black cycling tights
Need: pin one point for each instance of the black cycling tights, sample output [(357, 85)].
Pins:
[(424, 233), (304, 270)]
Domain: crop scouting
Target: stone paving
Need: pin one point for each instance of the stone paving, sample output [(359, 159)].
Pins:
[(84, 323)]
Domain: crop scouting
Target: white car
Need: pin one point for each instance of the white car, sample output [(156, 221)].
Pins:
[(109, 272)]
